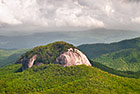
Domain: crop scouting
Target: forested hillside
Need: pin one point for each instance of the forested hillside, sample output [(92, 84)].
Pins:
[(53, 78), (123, 55), (125, 60), (10, 56), (96, 50)]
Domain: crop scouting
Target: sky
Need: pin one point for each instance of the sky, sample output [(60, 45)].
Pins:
[(28, 16)]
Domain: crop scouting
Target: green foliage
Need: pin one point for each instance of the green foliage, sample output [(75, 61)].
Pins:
[(55, 79), (125, 60), (10, 56), (124, 55), (48, 53), (96, 50), (129, 74)]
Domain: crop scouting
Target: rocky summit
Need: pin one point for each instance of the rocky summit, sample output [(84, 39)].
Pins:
[(72, 57), (55, 53)]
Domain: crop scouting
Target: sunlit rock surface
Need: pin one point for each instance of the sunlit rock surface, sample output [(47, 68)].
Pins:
[(28, 63), (72, 57), (69, 58)]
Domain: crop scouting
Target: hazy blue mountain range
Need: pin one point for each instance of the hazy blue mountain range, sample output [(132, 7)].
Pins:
[(74, 37)]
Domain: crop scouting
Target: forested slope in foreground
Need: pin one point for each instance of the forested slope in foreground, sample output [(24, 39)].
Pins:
[(53, 78)]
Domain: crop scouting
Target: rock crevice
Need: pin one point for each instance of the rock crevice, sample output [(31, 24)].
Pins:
[(69, 58)]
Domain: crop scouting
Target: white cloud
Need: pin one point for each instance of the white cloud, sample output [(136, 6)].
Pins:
[(70, 13), (6, 15), (46, 13), (136, 20), (75, 17), (109, 10)]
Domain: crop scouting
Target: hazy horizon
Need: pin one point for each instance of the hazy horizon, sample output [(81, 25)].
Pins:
[(74, 37), (74, 21)]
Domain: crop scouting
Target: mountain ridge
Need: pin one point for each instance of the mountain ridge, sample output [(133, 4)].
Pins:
[(74, 37), (123, 55), (58, 52), (53, 78), (110, 47), (9, 56)]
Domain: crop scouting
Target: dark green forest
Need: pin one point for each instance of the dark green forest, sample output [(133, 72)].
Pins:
[(96, 50), (123, 55), (125, 60)]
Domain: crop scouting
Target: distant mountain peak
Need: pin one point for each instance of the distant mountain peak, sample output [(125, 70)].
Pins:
[(57, 53)]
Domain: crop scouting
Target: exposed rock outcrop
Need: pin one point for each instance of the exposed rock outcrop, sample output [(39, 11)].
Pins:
[(31, 61), (72, 57), (28, 63), (57, 53)]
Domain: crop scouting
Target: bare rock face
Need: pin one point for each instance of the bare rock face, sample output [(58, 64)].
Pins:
[(28, 63), (31, 61), (72, 57)]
